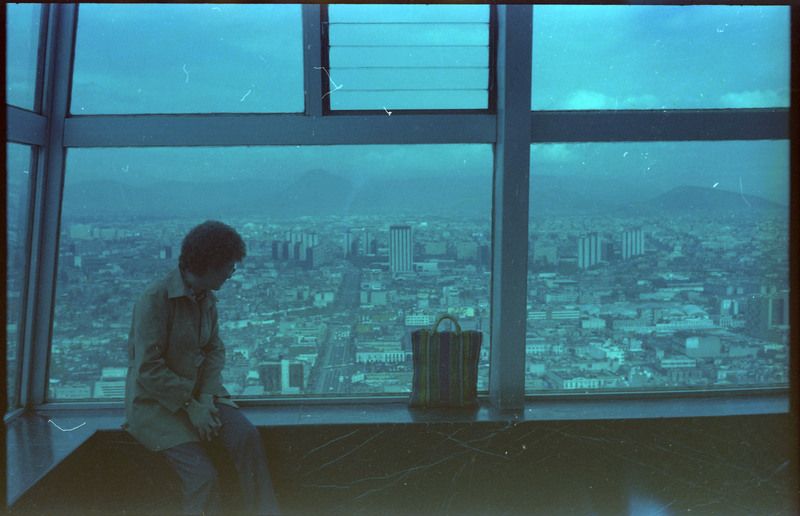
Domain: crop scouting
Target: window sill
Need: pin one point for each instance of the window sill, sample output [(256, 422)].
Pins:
[(38, 440)]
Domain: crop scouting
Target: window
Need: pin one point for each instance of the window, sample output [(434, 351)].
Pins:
[(320, 305), (18, 184), (408, 57), (22, 40), (188, 59), (660, 57), (325, 300), (658, 265)]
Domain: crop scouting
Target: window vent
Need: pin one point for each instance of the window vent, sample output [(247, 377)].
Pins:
[(407, 57)]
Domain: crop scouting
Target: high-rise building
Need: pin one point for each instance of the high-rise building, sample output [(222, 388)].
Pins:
[(607, 251), (400, 249), (778, 314), (632, 243), (292, 374), (547, 254), (282, 376), (270, 376), (367, 241), (588, 251), (766, 314), (348, 243), (484, 257), (112, 383), (296, 247), (306, 241)]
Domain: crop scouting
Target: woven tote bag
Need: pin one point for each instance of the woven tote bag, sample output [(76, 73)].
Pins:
[(445, 366)]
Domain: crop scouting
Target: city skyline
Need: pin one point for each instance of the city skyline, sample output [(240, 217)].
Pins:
[(651, 320)]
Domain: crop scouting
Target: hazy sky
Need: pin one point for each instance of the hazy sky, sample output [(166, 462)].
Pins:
[(248, 58), (187, 58), (753, 168), (654, 57)]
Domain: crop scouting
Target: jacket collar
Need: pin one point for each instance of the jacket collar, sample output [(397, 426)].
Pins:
[(177, 288)]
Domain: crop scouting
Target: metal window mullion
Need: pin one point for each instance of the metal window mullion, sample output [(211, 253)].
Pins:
[(312, 60), (510, 207), (325, 60), (24, 349), (276, 129), (25, 127), (47, 205)]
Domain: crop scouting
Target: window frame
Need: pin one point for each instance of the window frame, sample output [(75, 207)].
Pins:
[(30, 128), (324, 83), (14, 403), (510, 128)]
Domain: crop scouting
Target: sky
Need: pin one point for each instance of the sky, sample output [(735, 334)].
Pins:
[(206, 57), (248, 58), (660, 57)]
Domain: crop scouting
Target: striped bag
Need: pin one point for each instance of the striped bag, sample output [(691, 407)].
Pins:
[(445, 367)]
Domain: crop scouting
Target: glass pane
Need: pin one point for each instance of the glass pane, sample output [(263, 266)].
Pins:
[(321, 292), (408, 57), (200, 58), (658, 265), (22, 50), (660, 57), (18, 184)]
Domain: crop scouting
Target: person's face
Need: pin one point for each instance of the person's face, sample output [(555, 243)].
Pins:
[(213, 279)]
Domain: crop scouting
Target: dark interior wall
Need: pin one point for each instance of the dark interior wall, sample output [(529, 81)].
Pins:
[(711, 465)]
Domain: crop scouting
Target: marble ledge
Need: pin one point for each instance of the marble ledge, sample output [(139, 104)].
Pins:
[(38, 440)]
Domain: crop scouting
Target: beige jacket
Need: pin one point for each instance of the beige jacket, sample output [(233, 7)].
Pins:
[(175, 354)]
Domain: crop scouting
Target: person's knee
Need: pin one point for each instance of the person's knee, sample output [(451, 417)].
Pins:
[(203, 479), (252, 433), (240, 431), (249, 439)]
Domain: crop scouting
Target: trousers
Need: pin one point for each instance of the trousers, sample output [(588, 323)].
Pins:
[(199, 475)]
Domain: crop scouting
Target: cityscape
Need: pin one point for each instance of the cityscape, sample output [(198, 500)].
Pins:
[(325, 305)]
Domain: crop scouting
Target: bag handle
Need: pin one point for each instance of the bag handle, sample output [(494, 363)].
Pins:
[(447, 316)]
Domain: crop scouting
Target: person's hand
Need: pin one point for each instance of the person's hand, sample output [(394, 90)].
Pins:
[(204, 418), (206, 399)]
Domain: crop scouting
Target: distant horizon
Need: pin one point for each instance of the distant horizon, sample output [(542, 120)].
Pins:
[(636, 169), (324, 195), (215, 181)]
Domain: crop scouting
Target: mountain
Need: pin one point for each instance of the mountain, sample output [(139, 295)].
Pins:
[(313, 193), (704, 201), (108, 199), (319, 193), (424, 195)]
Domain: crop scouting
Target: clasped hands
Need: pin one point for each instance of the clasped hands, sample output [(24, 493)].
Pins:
[(204, 416)]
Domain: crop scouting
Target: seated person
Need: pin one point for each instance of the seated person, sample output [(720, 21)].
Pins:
[(175, 402)]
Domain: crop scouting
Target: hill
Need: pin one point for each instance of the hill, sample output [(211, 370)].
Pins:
[(320, 193)]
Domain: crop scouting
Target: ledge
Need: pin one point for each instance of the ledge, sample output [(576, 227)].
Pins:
[(37, 441)]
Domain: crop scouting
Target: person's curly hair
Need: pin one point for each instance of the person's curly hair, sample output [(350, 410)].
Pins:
[(209, 246)]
